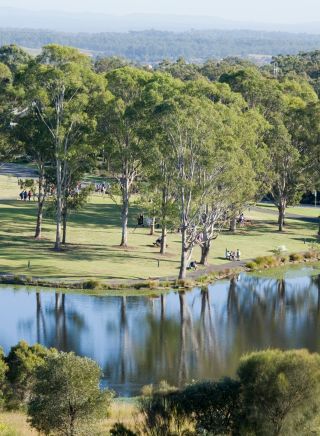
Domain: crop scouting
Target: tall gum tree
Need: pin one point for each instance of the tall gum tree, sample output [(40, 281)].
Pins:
[(187, 126), (60, 89), (122, 122), (213, 163), (282, 102)]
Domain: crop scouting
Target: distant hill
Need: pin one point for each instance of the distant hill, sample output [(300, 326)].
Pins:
[(153, 46), (93, 22)]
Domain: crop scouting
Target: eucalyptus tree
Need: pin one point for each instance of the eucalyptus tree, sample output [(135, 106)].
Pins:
[(7, 97), (39, 149), (61, 91), (207, 156), (14, 57), (122, 123), (284, 104), (188, 125)]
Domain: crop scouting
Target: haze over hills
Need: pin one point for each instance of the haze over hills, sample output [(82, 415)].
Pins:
[(94, 22), (196, 38)]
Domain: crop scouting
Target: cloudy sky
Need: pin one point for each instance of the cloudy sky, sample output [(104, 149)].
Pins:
[(272, 11)]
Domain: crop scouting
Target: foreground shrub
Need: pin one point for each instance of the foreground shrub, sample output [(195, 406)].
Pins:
[(66, 397), (296, 257), (213, 406), (160, 411), (279, 392), (22, 361), (120, 430), (3, 371)]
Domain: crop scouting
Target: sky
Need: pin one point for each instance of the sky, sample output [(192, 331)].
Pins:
[(265, 11)]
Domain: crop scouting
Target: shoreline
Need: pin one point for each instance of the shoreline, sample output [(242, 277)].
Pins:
[(160, 285)]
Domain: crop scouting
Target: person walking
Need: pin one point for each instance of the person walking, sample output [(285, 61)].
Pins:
[(29, 195), (25, 195), (238, 254)]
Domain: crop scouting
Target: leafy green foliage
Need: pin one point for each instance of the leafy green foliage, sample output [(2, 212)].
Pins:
[(66, 397), (3, 372), (22, 361), (279, 391), (211, 405)]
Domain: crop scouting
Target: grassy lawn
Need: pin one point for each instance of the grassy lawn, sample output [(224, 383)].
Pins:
[(9, 188), (94, 236), (308, 211)]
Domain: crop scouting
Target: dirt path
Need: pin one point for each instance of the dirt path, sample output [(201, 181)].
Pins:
[(17, 170), (288, 214)]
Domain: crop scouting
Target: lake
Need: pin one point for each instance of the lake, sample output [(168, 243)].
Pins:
[(178, 337)]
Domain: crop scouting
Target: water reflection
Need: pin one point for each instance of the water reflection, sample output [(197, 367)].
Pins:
[(178, 337)]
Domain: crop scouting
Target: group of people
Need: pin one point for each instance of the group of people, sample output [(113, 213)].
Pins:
[(101, 188), (25, 195), (233, 255)]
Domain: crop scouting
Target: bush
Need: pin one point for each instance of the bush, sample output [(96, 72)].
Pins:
[(295, 257), (159, 411), (212, 405), (120, 430), (184, 283), (92, 284), (22, 361), (251, 265), (153, 284), (279, 390), (66, 396), (308, 255), (3, 371)]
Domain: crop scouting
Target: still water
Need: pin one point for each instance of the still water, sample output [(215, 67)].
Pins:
[(177, 337)]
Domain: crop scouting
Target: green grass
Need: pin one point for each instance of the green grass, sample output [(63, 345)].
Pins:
[(94, 235), (307, 211), (9, 188), (122, 410)]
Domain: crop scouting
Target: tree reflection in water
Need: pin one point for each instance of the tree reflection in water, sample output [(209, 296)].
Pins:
[(179, 336)]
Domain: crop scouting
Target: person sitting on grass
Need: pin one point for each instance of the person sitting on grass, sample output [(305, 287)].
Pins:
[(232, 255), (192, 265), (157, 243)]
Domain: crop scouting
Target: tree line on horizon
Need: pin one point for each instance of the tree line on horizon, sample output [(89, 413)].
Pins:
[(197, 143), (153, 45)]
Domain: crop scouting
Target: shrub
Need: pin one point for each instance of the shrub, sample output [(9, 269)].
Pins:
[(92, 284), (66, 397), (184, 283), (120, 430), (212, 405), (279, 390), (3, 371), (153, 284), (251, 265), (295, 257), (280, 250), (22, 361)]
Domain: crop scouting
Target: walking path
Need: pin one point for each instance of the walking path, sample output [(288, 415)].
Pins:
[(17, 170), (288, 214)]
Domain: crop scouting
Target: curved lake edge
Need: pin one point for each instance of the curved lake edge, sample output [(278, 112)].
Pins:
[(157, 286), (179, 336)]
